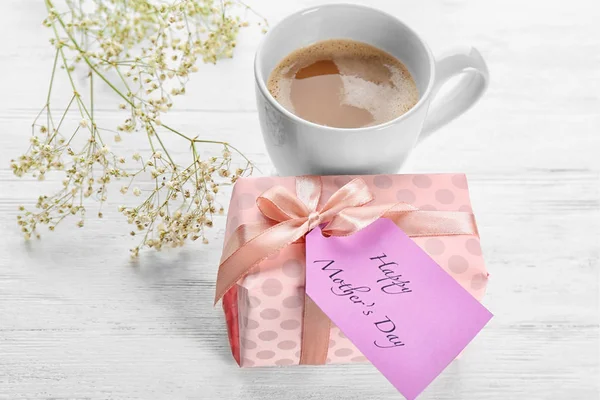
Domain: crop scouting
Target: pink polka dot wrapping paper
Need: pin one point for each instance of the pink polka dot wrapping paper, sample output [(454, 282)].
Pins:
[(264, 310)]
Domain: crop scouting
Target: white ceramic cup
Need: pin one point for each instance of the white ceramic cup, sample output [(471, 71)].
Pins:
[(300, 147)]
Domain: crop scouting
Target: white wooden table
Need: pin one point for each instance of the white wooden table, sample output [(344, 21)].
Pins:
[(77, 320)]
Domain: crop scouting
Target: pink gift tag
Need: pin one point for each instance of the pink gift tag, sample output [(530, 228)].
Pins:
[(399, 308)]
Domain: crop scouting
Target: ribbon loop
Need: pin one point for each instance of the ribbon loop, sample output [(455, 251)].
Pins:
[(355, 193), (308, 190), (278, 204)]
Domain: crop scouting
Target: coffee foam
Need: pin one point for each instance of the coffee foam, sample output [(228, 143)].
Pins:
[(372, 79)]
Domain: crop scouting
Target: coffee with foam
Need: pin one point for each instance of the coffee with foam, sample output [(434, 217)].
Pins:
[(344, 84)]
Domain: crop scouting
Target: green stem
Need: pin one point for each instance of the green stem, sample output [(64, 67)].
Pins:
[(73, 135), (195, 155), (92, 97), (228, 145), (48, 114), (89, 63), (83, 55), (62, 118), (35, 121), (52, 77), (163, 146), (167, 127)]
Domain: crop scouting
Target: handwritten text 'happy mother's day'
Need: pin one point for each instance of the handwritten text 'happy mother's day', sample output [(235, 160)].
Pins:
[(391, 282)]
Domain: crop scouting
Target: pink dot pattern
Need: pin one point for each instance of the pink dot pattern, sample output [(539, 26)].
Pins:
[(422, 181), (274, 337), (406, 196), (459, 181), (435, 246), (341, 349), (382, 181), (458, 264), (271, 298), (272, 287), (444, 196), (292, 268), (473, 247)]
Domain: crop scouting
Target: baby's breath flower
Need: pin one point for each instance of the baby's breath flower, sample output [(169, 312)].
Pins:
[(149, 50)]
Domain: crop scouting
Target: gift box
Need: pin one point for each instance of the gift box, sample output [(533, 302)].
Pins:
[(265, 306)]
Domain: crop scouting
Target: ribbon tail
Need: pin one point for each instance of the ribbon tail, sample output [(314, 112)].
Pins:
[(241, 235), (249, 253), (434, 223), (411, 220), (316, 327), (353, 219)]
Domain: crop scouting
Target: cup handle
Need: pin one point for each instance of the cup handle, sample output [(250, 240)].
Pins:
[(467, 62)]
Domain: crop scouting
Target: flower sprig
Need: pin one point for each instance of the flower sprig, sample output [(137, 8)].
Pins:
[(145, 52)]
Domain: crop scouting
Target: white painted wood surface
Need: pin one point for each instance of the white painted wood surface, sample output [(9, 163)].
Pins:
[(77, 320)]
